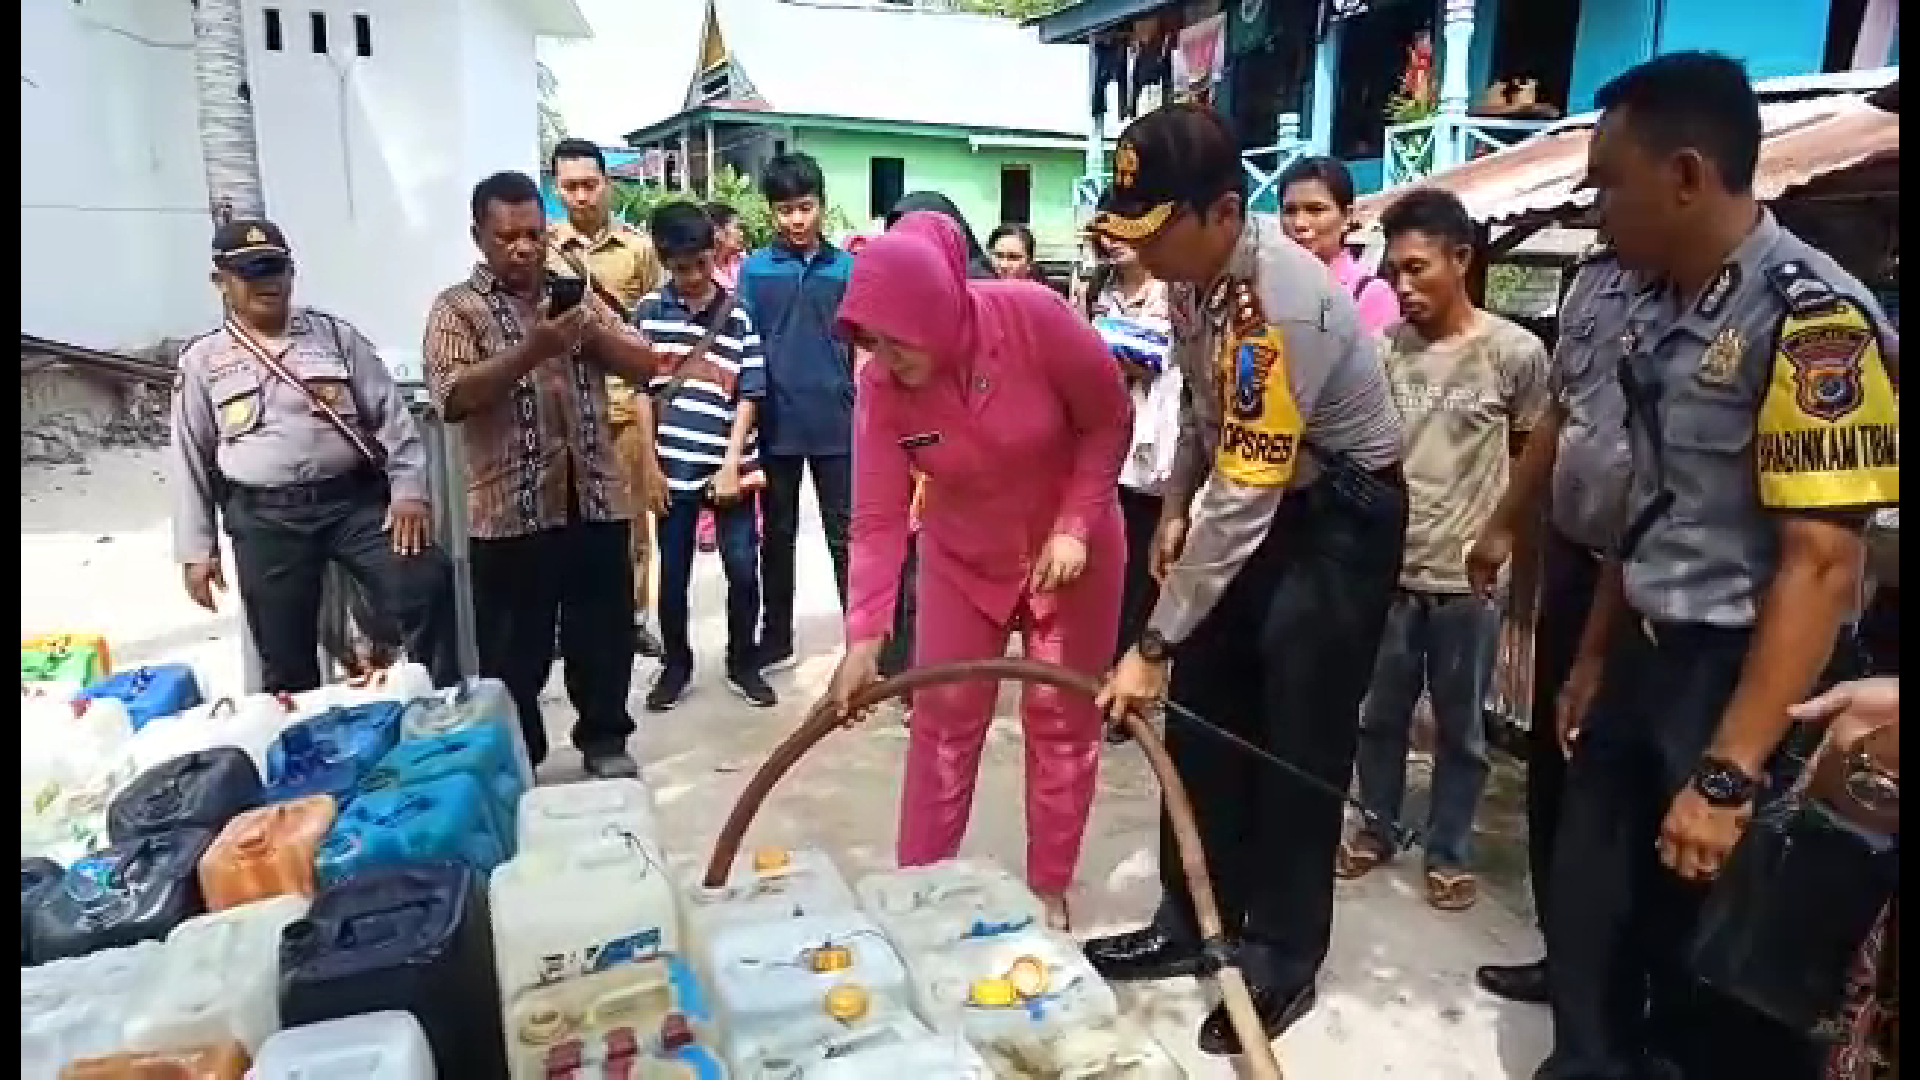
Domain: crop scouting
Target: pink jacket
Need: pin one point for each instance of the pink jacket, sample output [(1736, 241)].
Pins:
[(1379, 308), (1020, 432)]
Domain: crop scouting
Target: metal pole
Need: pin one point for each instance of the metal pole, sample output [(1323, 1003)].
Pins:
[(446, 470)]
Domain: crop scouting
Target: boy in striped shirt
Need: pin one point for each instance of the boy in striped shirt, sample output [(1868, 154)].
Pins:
[(705, 452)]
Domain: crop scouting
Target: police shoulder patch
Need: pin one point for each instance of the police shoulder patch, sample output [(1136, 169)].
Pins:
[(1261, 426), (1803, 291), (1829, 428)]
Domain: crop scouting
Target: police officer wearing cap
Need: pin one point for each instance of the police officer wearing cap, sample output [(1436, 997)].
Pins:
[(289, 425), (1278, 551), (1764, 431), (1574, 467)]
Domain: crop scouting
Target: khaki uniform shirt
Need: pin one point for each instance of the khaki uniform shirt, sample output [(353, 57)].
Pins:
[(622, 261)]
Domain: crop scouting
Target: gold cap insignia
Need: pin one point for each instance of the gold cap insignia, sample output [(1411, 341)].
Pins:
[(1126, 165), (255, 236)]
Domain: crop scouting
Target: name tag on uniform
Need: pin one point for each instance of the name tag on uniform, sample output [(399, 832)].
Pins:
[(920, 442)]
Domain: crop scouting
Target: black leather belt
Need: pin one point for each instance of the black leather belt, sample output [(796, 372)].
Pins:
[(340, 488)]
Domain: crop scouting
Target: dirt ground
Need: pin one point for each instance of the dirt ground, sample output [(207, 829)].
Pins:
[(1397, 997)]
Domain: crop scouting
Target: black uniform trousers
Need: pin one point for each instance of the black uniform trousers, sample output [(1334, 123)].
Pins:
[(1625, 1003), (1568, 574), (1140, 515), (833, 489), (579, 576), (283, 541), (1282, 660)]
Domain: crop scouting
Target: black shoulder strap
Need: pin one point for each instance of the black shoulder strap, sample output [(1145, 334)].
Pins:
[(1804, 291), (1360, 285)]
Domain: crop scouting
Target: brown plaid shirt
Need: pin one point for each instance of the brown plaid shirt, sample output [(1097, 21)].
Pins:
[(523, 450)]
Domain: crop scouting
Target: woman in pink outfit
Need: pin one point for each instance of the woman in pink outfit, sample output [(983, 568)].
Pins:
[(1316, 208), (1015, 412)]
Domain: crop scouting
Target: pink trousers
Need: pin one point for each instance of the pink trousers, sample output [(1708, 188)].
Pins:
[(1074, 627)]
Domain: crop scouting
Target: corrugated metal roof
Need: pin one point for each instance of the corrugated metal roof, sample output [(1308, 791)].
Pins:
[(1805, 140), (907, 64)]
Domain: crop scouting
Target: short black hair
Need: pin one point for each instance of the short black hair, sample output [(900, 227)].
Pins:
[(1435, 211), (506, 188), (577, 150), (792, 176), (680, 229), (1014, 228), (721, 214), (1330, 171), (1700, 101)]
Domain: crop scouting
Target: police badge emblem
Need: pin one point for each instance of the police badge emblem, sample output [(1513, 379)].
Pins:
[(1826, 361), (1252, 364), (1721, 360), (1126, 165)]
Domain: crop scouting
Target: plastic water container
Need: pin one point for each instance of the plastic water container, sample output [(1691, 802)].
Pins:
[(414, 937), (398, 684), (130, 892), (218, 981), (562, 913), (331, 752), (203, 789), (267, 851), (649, 1015), (936, 1057), (800, 1047), (768, 977), (473, 703), (448, 817), (373, 1046), (1117, 1048), (559, 815), (63, 803), (931, 907), (38, 879), (219, 1061), (1010, 988), (766, 885), (77, 1007), (484, 752), (251, 723), (149, 693)]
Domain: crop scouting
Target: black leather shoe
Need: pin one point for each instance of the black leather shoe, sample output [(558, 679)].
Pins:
[(1516, 982), (645, 644), (1151, 952), (1278, 1010)]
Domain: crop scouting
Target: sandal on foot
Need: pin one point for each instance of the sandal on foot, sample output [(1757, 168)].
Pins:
[(1452, 890), (1059, 919), (1358, 856)]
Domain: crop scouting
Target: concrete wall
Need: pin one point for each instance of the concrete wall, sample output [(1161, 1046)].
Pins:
[(368, 161), (950, 166)]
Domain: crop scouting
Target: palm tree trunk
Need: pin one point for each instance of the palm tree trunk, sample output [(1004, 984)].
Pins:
[(227, 142)]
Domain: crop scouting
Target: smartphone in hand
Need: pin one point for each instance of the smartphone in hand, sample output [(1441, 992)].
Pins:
[(564, 294)]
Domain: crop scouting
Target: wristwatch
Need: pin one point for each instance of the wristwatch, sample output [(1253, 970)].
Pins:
[(1723, 784), (1154, 647)]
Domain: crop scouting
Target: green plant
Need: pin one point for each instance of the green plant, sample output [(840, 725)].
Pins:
[(635, 202)]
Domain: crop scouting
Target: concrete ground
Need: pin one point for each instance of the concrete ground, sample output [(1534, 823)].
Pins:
[(1397, 998)]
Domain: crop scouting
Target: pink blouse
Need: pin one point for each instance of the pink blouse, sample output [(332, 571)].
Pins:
[(1379, 308)]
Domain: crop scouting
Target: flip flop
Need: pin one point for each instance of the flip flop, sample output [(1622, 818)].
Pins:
[(1358, 857), (1452, 890)]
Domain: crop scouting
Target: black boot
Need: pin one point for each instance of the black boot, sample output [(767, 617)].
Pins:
[(1278, 1009), (1515, 982), (1157, 950)]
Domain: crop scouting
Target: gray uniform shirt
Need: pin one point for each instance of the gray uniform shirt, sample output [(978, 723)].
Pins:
[(234, 418), (1712, 553), (1235, 428), (1591, 460)]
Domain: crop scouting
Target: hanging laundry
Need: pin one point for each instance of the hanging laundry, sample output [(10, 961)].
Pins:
[(1199, 59), (1152, 62), (1110, 67)]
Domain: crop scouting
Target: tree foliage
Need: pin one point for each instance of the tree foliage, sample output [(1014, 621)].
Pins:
[(634, 202), (1011, 9)]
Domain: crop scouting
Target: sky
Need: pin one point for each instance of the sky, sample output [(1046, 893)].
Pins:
[(632, 72)]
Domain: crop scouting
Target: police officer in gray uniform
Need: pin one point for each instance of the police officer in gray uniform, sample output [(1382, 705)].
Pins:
[(287, 423), (1764, 431), (1576, 464), (1275, 584)]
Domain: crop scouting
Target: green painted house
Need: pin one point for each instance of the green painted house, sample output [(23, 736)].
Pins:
[(889, 98)]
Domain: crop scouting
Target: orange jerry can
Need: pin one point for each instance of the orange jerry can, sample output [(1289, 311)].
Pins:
[(267, 851), (224, 1061)]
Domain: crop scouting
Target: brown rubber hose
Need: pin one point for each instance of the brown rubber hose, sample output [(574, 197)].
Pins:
[(1261, 1062)]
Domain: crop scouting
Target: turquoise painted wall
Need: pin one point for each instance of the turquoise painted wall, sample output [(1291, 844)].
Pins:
[(1613, 35), (1778, 37), (950, 166)]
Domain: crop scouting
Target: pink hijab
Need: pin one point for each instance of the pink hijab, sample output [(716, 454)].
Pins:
[(910, 284)]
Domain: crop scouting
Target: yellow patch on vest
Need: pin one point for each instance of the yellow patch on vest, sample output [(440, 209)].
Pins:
[(1829, 431), (1260, 425)]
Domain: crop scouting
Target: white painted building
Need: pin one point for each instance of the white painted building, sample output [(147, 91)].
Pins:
[(374, 120)]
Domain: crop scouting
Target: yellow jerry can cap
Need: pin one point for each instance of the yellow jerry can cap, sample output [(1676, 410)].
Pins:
[(992, 993), (828, 959), (543, 1026), (766, 860), (848, 1002), (1028, 977)]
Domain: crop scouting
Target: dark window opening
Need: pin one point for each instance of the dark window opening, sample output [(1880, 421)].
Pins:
[(1016, 194), (273, 29), (1844, 19), (886, 182), (779, 147), (318, 20), (1534, 41), (1373, 56), (362, 35)]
